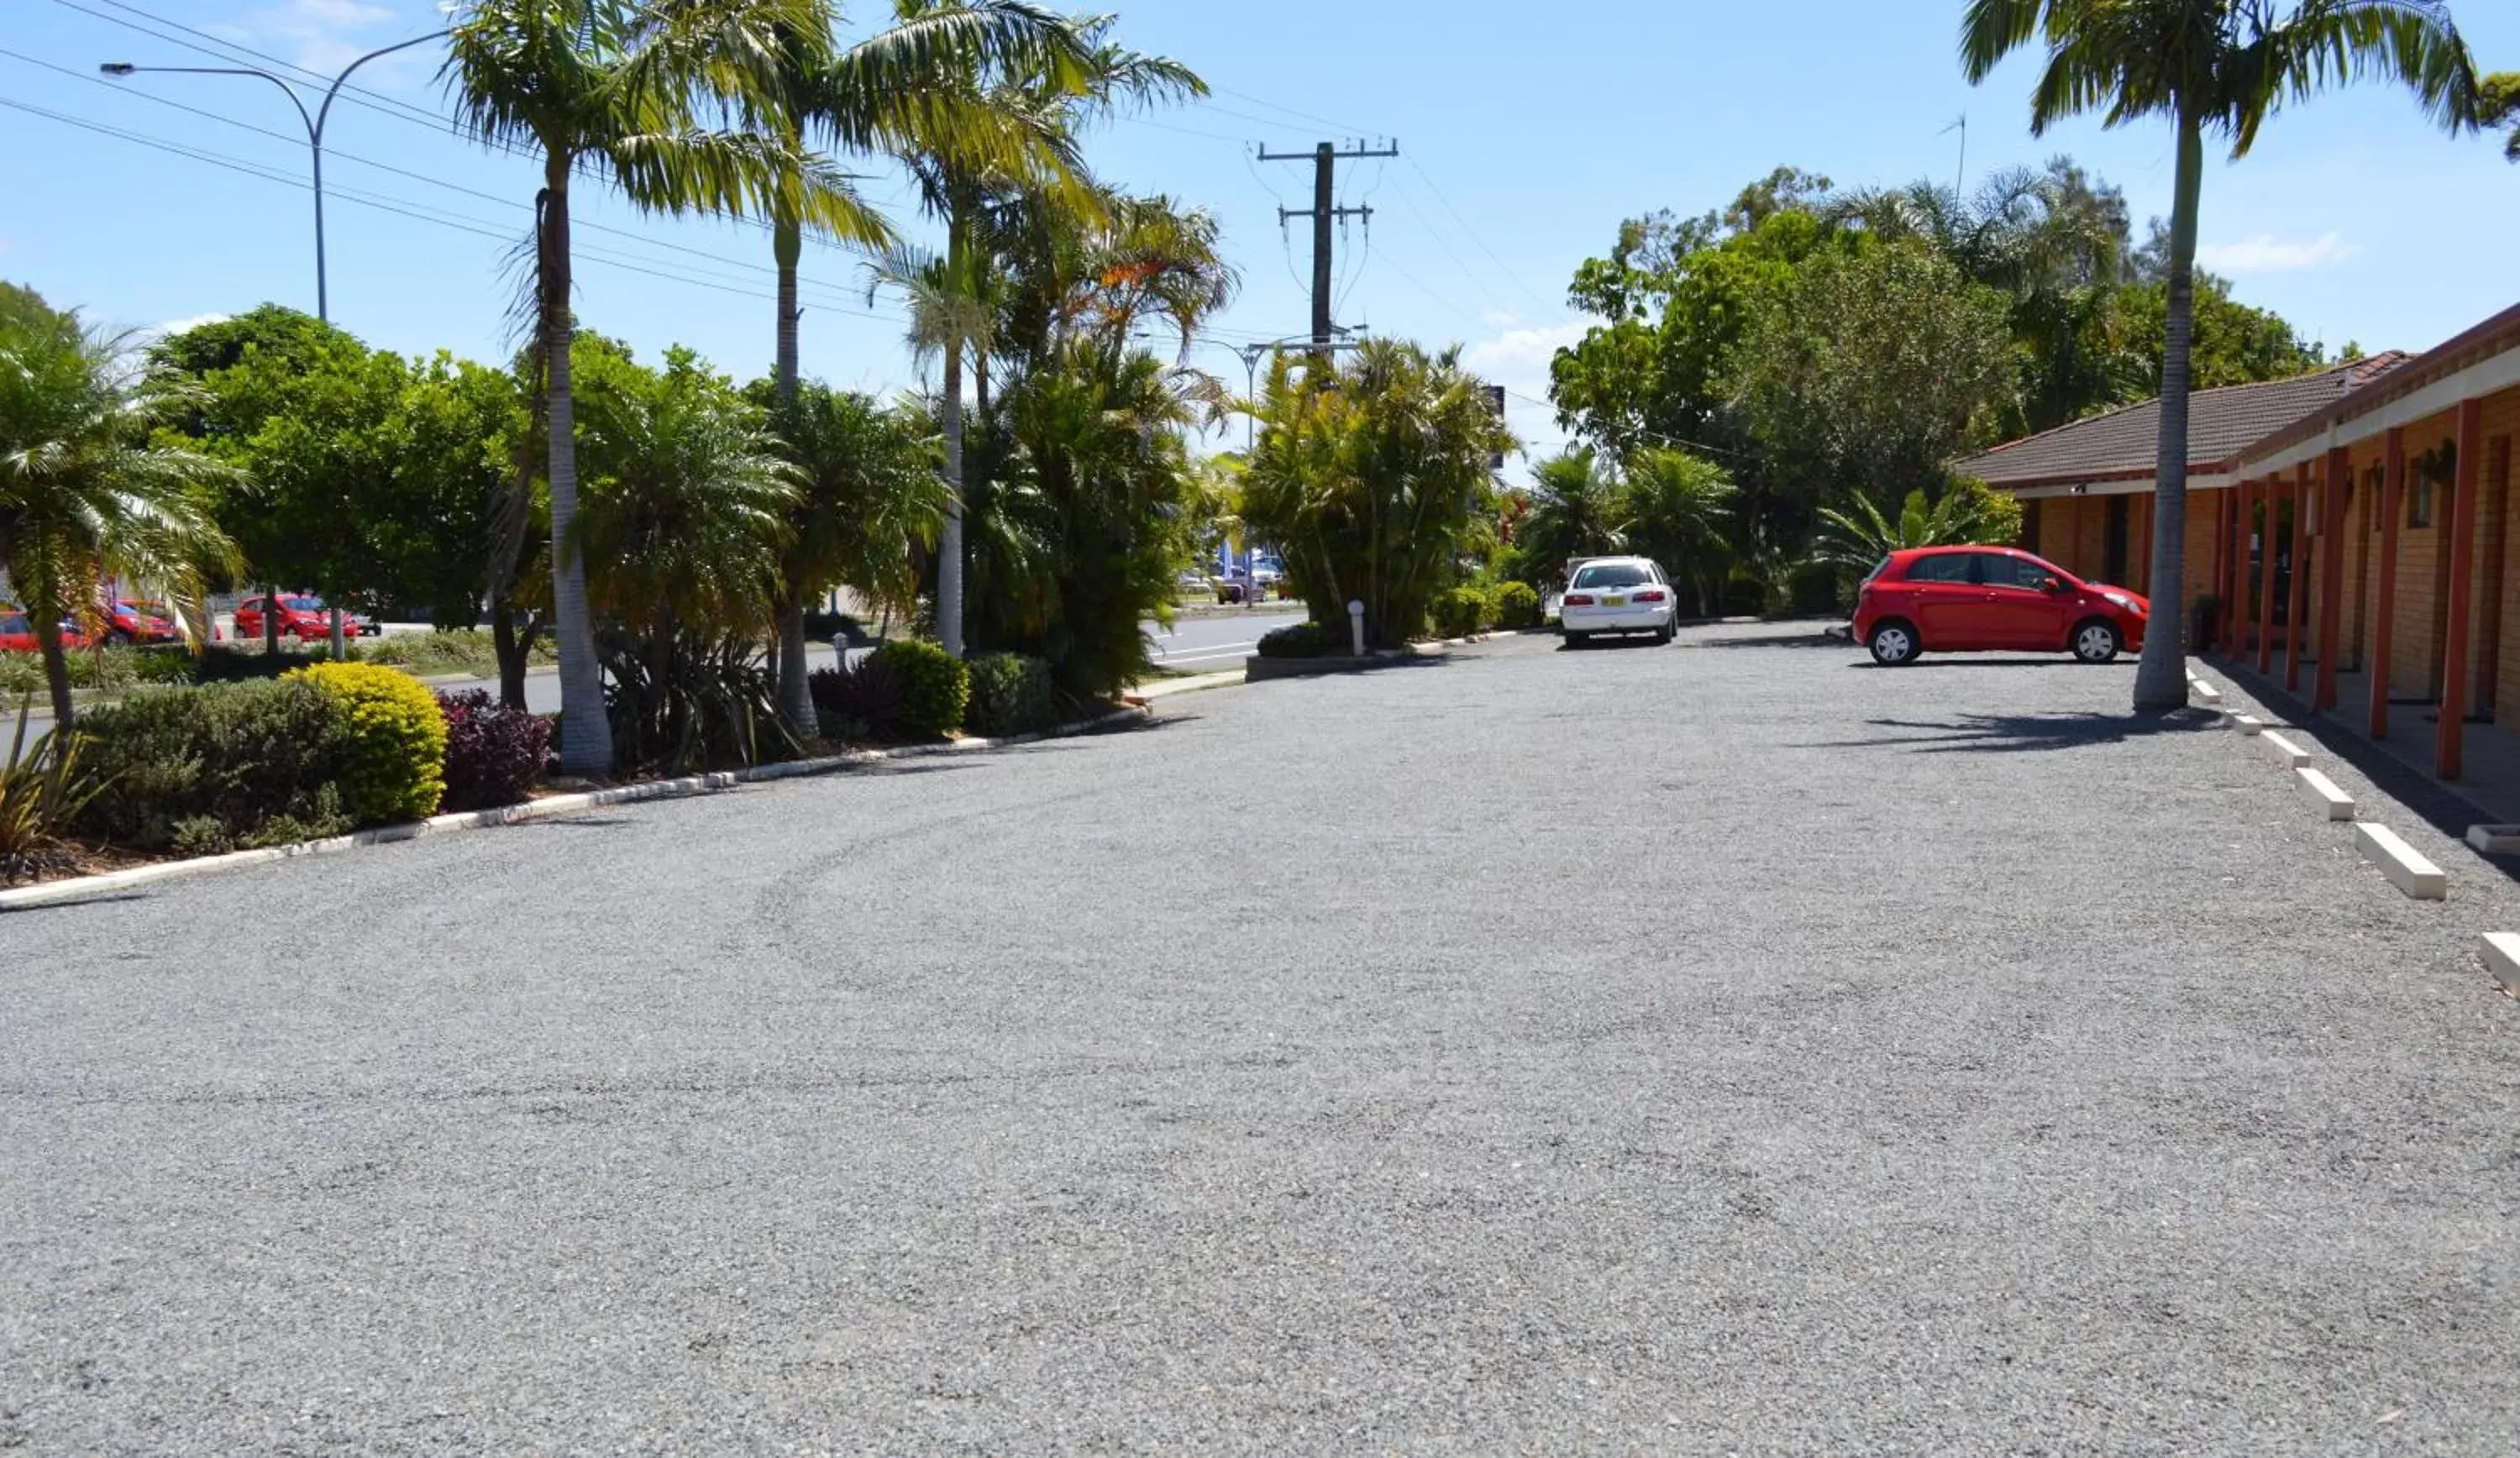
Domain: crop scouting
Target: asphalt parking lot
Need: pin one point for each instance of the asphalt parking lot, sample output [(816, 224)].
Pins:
[(1723, 1046)]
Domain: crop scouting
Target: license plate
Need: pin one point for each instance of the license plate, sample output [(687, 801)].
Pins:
[(1614, 603)]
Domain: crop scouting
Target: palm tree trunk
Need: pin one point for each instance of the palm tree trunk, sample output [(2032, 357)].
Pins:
[(270, 619), (796, 700), (46, 620), (513, 652), (949, 547), (586, 737), (2161, 675)]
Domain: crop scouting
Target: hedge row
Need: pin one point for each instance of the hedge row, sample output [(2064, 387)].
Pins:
[(316, 752)]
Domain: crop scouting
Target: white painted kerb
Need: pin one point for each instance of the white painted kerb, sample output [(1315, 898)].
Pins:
[(2403, 864), (2324, 792)]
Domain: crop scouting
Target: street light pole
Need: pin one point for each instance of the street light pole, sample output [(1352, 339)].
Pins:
[(314, 126), (1252, 354)]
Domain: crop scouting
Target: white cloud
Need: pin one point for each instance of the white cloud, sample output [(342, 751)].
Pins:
[(178, 326), (1521, 354), (325, 35), (1518, 359), (1499, 319), (2267, 254)]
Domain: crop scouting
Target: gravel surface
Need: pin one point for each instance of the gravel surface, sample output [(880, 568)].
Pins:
[(1723, 1046)]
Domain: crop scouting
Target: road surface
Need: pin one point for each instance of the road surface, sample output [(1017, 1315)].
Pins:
[(1720, 1048)]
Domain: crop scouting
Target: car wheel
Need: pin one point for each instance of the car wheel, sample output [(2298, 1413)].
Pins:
[(1576, 640), (1666, 633), (1894, 644), (2096, 641)]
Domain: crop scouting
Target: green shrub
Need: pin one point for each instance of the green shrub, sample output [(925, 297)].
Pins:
[(935, 686), (41, 790), (1306, 639), (1517, 605), (1460, 611), (393, 735), (1011, 695), (215, 768)]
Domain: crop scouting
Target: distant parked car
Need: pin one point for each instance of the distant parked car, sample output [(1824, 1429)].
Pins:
[(304, 618), (140, 622), (17, 636), (1191, 582), (1616, 594), (1969, 599), (1235, 586)]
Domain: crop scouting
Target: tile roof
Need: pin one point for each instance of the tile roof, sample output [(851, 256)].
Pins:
[(2221, 425)]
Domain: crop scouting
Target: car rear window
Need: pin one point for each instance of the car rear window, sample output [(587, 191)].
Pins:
[(1610, 575), (305, 604), (13, 624), (1949, 566)]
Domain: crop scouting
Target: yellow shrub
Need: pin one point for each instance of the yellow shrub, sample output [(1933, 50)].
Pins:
[(394, 740)]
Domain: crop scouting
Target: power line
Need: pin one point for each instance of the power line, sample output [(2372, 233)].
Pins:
[(1437, 234), (1330, 123), (1473, 232), (405, 207), (334, 153), (227, 50)]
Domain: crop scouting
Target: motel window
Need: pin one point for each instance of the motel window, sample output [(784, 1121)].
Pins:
[(2420, 502)]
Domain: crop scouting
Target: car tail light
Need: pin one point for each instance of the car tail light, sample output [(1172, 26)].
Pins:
[(1577, 600), (1647, 597)]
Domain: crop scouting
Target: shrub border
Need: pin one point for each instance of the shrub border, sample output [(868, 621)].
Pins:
[(550, 807)]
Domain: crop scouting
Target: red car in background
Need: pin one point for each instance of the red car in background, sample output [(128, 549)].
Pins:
[(17, 636), (140, 622), (1970, 599), (304, 618)]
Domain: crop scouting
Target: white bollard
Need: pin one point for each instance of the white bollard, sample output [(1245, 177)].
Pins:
[(1356, 625)]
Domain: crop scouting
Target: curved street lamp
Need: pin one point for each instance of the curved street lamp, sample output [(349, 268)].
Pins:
[(314, 126)]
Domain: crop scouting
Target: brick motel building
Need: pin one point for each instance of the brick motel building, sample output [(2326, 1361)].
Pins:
[(2353, 528)]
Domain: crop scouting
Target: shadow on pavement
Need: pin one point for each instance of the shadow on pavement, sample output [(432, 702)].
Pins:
[(1813, 638), (2048, 660), (2016, 734)]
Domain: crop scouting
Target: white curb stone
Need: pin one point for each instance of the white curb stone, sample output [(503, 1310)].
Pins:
[(2501, 952), (2205, 693), (2247, 723), (2285, 752), (2494, 840), (2403, 864), (2324, 793)]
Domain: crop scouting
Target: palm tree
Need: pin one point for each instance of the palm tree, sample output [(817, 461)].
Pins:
[(1574, 512), (2224, 65), (84, 493), (953, 296), (867, 492), (895, 91), (1674, 508), (619, 90)]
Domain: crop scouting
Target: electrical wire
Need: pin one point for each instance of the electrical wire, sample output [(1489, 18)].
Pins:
[(1437, 234), (406, 209), (1433, 186)]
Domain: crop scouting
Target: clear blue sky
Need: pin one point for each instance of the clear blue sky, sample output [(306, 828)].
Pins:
[(1527, 133)]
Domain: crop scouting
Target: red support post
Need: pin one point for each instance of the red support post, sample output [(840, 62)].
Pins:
[(2332, 577), (2392, 501), (2297, 611), (2267, 579), (2239, 603), (2451, 734)]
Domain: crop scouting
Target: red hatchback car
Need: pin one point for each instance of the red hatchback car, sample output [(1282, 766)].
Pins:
[(306, 619), (1966, 599)]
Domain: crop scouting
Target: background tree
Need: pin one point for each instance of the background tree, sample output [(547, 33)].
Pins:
[(85, 494), (2501, 108), (1869, 373), (621, 92), (2224, 67)]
